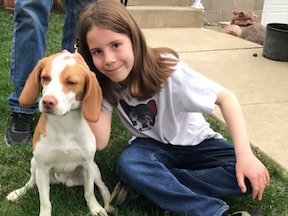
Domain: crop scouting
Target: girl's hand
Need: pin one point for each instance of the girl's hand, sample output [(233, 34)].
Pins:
[(251, 167)]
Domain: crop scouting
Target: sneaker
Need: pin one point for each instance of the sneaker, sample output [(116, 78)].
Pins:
[(246, 213), (121, 193), (19, 130)]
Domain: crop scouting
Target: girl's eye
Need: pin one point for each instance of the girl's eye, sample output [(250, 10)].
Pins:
[(115, 45), (96, 52)]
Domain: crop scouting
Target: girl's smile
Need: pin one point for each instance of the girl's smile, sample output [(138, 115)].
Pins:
[(112, 53)]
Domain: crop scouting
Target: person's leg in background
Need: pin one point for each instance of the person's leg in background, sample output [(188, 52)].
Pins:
[(28, 46), (72, 9)]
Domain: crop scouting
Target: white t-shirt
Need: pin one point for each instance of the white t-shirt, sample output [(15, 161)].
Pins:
[(173, 115)]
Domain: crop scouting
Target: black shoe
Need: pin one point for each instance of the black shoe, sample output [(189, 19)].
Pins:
[(121, 193), (19, 130), (246, 213)]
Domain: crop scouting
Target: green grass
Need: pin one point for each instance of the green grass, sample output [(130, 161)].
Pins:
[(15, 161)]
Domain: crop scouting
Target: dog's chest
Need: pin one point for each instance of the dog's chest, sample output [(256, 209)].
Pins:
[(66, 144)]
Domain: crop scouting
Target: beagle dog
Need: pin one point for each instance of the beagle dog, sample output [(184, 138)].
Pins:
[(63, 143)]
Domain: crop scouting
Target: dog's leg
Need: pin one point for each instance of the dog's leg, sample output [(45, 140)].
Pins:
[(94, 206), (43, 184), (14, 195), (102, 188)]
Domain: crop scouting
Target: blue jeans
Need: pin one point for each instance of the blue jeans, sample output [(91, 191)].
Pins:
[(29, 41), (186, 180), (72, 9)]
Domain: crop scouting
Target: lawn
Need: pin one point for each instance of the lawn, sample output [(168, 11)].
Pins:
[(15, 161)]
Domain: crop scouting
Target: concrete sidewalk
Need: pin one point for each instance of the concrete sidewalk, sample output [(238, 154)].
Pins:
[(260, 84)]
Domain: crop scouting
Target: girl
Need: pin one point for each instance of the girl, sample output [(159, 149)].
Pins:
[(174, 158)]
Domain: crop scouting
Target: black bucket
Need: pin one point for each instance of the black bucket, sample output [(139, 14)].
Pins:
[(276, 42)]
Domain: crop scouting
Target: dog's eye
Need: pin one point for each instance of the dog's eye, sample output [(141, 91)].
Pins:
[(70, 82), (45, 78)]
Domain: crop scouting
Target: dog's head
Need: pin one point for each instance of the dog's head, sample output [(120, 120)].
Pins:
[(67, 84)]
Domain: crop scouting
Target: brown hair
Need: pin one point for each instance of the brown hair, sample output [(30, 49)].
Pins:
[(150, 70)]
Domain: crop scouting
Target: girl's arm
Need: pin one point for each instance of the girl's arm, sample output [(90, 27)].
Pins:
[(102, 128), (247, 164)]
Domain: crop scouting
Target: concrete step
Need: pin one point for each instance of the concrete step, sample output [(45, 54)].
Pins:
[(160, 2), (150, 16)]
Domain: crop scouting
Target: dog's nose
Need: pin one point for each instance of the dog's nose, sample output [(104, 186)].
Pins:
[(49, 101)]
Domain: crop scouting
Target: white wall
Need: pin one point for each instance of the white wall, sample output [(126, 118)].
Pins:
[(222, 10), (275, 11)]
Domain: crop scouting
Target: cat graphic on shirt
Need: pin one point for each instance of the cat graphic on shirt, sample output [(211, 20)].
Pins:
[(142, 116)]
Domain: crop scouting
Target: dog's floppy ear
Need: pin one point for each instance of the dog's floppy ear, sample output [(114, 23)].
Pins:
[(31, 89), (92, 100)]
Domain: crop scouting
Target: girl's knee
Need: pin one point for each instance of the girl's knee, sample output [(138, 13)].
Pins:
[(126, 162), (133, 164)]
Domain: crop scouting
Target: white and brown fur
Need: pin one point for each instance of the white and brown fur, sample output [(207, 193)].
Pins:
[(63, 144)]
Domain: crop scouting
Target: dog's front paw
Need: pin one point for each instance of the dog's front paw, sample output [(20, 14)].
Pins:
[(13, 196), (99, 211)]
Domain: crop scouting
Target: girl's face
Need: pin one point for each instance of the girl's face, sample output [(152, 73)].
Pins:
[(112, 53)]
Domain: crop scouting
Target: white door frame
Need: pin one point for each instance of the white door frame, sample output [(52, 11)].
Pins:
[(275, 11)]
